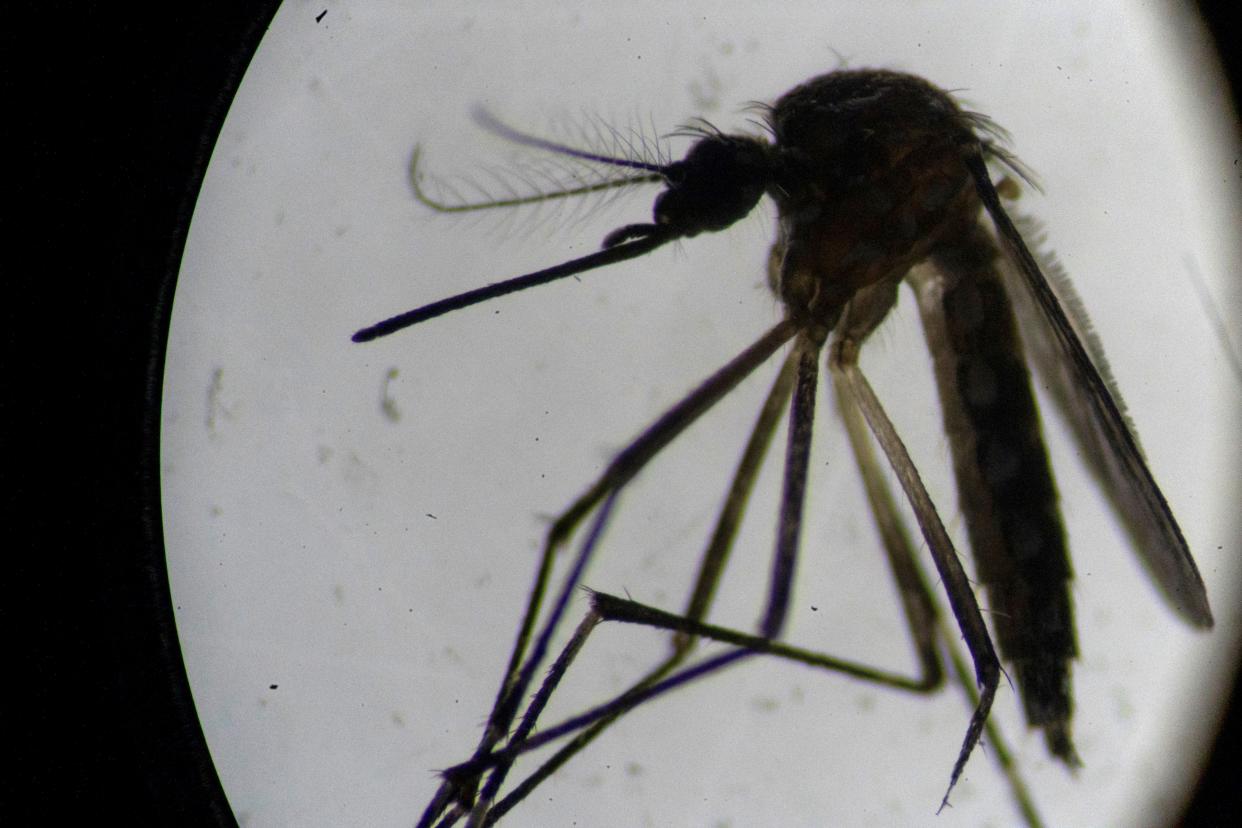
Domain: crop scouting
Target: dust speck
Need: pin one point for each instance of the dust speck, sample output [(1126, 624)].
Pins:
[(388, 403)]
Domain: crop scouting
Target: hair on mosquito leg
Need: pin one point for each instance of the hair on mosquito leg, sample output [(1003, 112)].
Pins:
[(879, 179)]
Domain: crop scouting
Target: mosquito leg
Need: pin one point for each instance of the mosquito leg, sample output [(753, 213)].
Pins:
[(459, 788), (793, 494), (482, 809), (619, 472), (710, 571), (797, 459), (844, 363), (716, 556), (526, 676), (920, 608), (613, 608), (632, 459), (995, 739), (922, 616)]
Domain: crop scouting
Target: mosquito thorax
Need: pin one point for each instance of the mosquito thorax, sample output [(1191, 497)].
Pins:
[(869, 176), (720, 180)]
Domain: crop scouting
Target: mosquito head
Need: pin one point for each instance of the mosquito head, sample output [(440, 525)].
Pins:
[(719, 181)]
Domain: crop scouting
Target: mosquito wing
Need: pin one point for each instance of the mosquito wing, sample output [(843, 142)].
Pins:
[(1070, 360)]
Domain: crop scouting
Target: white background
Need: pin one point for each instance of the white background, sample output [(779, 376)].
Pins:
[(371, 560)]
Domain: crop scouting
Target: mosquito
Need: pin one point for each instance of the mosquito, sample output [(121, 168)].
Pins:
[(878, 178)]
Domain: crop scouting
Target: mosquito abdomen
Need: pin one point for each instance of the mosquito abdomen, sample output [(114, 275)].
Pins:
[(1005, 484)]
